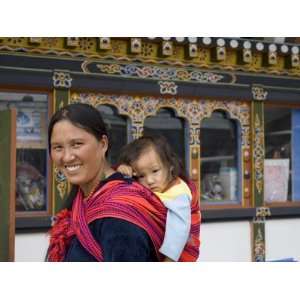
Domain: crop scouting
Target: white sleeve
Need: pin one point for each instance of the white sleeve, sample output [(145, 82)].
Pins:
[(178, 226)]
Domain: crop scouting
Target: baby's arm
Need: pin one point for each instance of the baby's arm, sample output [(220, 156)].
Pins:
[(126, 170)]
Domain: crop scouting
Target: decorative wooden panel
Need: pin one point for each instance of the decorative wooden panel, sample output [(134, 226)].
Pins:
[(61, 94), (138, 108), (258, 156)]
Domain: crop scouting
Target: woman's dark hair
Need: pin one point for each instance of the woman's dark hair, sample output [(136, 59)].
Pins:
[(132, 151), (83, 116)]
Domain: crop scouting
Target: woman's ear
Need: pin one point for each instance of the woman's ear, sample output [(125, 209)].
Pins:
[(104, 143)]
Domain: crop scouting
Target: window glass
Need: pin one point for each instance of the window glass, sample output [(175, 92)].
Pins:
[(278, 154), (295, 154), (31, 138), (172, 128), (117, 127), (220, 159)]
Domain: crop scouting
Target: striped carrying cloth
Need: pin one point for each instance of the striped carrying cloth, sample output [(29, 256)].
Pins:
[(118, 199)]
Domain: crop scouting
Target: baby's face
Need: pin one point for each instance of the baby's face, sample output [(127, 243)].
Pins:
[(151, 172)]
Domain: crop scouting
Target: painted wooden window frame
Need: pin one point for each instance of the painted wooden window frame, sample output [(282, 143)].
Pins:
[(295, 159), (138, 108), (36, 219)]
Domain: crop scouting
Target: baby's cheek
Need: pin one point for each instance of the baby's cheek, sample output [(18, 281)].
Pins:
[(142, 182)]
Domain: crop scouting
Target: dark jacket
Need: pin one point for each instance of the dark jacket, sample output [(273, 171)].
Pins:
[(120, 240)]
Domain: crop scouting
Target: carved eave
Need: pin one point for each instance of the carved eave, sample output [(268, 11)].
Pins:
[(231, 54)]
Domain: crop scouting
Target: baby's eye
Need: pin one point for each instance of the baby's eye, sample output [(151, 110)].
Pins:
[(140, 176)]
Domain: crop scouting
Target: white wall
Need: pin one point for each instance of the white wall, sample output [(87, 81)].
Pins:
[(31, 247), (222, 241), (225, 241), (283, 239)]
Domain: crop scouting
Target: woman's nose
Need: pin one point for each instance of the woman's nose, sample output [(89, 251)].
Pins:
[(68, 156)]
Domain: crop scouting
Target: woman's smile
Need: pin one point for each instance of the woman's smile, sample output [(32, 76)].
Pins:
[(72, 168)]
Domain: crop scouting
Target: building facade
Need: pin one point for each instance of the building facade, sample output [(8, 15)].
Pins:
[(230, 108)]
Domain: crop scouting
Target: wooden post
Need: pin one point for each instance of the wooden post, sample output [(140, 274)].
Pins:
[(258, 156), (7, 184), (61, 97)]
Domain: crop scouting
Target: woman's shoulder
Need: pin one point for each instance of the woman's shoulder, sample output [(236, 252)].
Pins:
[(118, 182), (117, 176)]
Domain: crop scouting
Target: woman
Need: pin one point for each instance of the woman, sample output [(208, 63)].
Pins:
[(107, 217)]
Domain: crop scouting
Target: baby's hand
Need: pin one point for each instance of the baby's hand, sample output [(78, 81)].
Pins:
[(125, 170)]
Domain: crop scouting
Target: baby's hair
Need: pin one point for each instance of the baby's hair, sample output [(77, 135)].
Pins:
[(132, 151)]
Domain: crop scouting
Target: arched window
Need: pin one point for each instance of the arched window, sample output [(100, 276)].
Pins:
[(118, 129), (220, 159), (172, 128)]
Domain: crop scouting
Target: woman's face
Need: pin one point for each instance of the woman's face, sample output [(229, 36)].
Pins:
[(78, 154)]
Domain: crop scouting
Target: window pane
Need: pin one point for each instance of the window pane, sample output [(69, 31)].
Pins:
[(31, 137), (117, 130), (278, 133), (295, 154), (172, 128), (219, 159)]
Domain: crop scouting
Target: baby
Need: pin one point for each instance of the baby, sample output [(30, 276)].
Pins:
[(151, 160)]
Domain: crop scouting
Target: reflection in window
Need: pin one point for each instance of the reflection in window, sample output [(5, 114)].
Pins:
[(219, 160), (172, 128), (31, 138), (117, 127), (277, 169)]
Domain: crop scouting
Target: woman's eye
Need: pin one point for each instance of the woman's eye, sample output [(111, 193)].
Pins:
[(77, 145), (57, 148), (155, 171)]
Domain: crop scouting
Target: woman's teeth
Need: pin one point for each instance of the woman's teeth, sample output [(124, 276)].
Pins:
[(72, 168)]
